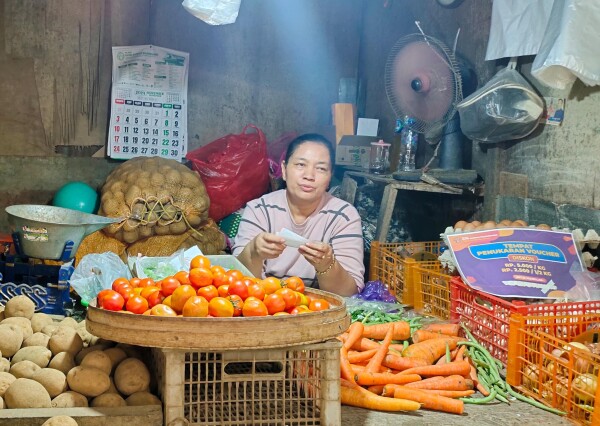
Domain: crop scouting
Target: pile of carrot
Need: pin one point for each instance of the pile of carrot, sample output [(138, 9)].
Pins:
[(430, 373)]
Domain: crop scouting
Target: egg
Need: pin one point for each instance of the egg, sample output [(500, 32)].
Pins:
[(460, 224), (490, 224), (469, 227), (544, 226), (521, 223), (476, 223), (506, 222)]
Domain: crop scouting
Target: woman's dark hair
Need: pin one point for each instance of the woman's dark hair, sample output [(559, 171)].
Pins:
[(310, 137)]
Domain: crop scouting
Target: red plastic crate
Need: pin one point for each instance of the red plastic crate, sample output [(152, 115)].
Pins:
[(488, 316)]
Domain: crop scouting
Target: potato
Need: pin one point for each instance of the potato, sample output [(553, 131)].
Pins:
[(132, 376), (143, 398), (6, 380), (2, 406), (88, 381), (82, 353), (54, 381), (4, 365), (70, 399), (99, 360), (62, 361), (68, 322), (37, 354), (11, 339), (50, 328), (37, 339), (108, 400), (23, 323), (130, 350), (39, 320), (26, 393), (24, 369), (116, 355), (65, 339), (60, 421), (2, 316), (112, 388), (19, 306)]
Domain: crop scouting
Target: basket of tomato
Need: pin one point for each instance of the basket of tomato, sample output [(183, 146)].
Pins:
[(216, 305)]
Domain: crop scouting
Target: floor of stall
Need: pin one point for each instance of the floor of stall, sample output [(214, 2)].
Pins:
[(517, 413)]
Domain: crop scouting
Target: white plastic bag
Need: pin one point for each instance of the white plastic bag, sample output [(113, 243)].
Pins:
[(214, 12), (506, 108), (96, 272)]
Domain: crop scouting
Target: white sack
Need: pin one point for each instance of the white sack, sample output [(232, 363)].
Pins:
[(214, 12)]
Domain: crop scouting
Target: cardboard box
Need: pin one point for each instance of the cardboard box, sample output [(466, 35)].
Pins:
[(354, 151), (343, 120)]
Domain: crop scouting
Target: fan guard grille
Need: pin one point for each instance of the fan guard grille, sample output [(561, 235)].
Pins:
[(422, 81)]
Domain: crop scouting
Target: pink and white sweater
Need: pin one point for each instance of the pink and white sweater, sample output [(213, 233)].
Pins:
[(335, 222)]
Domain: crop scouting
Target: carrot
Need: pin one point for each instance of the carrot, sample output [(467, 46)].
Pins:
[(429, 380), (430, 350), (455, 382), (355, 332), (401, 330), (366, 378), (399, 363), (432, 402), (450, 393), (365, 344), (461, 353), (362, 367), (377, 359), (422, 335), (441, 361), (345, 366), (357, 356), (462, 368), (395, 347), (357, 398), (448, 329), (376, 389)]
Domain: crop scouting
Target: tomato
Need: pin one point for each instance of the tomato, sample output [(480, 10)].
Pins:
[(256, 290), (169, 285), (134, 281), (113, 301), (295, 283), (200, 261), (254, 308), (119, 282), (120, 286), (238, 287), (155, 298), (183, 277), (167, 301), (318, 305), (220, 307), (274, 303), (276, 314), (200, 277), (303, 299), (217, 269), (147, 291), (209, 292), (163, 311), (271, 284), (101, 295), (127, 293), (235, 273), (237, 303), (223, 290), (299, 310), (220, 278), (195, 306), (145, 282), (289, 296), (137, 305), (181, 295)]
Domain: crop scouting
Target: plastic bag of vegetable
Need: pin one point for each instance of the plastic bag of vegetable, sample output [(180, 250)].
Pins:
[(376, 290)]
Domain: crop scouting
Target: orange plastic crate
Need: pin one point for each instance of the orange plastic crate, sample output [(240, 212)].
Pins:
[(391, 263), (488, 317), (539, 365), (431, 290)]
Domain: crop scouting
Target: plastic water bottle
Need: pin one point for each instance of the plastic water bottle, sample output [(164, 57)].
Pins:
[(408, 146)]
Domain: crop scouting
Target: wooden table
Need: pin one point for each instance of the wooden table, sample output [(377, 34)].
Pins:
[(392, 186)]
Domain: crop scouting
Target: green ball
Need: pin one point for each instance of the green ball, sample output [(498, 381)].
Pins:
[(77, 196)]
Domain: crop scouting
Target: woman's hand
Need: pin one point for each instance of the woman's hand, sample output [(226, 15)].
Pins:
[(268, 246), (319, 255)]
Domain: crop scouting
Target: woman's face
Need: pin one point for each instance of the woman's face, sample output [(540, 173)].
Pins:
[(308, 172)]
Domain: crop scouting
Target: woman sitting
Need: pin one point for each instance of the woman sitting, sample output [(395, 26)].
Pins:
[(332, 259)]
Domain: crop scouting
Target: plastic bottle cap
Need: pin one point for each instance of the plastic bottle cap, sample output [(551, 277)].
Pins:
[(380, 143)]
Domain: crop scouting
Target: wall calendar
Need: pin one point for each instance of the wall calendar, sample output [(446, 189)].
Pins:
[(148, 103)]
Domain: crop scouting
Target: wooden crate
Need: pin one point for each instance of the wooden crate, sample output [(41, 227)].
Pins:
[(86, 416), (297, 385)]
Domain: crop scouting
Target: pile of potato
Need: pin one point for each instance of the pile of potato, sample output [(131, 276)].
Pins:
[(46, 364)]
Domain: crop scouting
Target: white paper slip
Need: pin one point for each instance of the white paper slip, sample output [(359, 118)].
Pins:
[(291, 238)]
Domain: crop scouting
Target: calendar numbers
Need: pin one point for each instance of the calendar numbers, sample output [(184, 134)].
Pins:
[(140, 128)]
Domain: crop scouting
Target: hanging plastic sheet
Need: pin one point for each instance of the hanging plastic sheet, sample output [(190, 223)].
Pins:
[(569, 49), (214, 12)]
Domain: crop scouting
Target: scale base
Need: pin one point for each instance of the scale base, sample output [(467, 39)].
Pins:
[(456, 177)]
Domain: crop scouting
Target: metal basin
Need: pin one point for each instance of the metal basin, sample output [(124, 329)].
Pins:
[(44, 231)]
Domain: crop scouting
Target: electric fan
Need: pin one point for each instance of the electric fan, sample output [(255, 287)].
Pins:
[(423, 84)]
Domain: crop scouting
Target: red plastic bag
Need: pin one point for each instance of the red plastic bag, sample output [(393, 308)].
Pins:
[(234, 169)]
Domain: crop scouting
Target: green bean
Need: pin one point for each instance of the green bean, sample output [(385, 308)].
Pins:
[(483, 400), (448, 356), (533, 402)]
